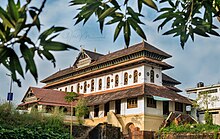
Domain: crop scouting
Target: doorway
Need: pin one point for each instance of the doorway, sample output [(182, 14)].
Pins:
[(165, 107)]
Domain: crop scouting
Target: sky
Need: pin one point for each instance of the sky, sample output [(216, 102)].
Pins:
[(198, 62)]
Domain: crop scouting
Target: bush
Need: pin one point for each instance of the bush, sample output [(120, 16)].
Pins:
[(208, 118), (14, 125)]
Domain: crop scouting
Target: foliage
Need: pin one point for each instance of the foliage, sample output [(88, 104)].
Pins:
[(188, 17), (16, 21), (208, 118), (33, 125), (81, 109), (71, 96), (190, 128), (205, 99)]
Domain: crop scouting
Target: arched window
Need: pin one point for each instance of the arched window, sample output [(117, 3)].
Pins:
[(135, 76), (92, 85), (116, 80), (125, 78), (108, 82), (71, 88), (66, 89), (85, 87), (60, 89), (100, 84), (152, 76), (78, 87)]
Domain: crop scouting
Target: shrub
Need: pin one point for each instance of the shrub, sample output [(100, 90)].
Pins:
[(14, 125)]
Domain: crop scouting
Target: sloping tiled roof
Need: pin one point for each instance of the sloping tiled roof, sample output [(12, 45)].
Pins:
[(93, 55), (49, 96), (168, 79), (135, 91), (56, 98), (99, 58)]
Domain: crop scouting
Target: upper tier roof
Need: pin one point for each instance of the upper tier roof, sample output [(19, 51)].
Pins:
[(99, 58), (168, 79)]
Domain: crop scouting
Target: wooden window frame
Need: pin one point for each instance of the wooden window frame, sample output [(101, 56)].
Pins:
[(85, 87), (152, 76), (108, 82), (78, 88), (92, 85), (125, 78), (116, 80), (71, 88), (100, 84), (132, 103), (178, 106), (151, 103), (135, 76)]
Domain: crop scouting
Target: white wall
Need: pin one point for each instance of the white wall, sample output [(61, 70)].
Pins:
[(130, 72), (157, 70), (128, 111), (143, 78), (214, 104)]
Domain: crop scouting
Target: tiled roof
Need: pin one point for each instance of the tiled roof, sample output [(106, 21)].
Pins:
[(99, 58), (56, 98), (49, 96), (135, 91), (93, 55), (168, 79)]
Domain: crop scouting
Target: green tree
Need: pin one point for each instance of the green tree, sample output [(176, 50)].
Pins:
[(186, 17), (70, 98), (81, 109), (16, 21)]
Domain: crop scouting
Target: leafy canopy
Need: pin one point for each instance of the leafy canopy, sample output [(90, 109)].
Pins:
[(187, 17), (16, 21)]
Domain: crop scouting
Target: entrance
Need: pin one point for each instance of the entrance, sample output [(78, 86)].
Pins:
[(165, 107), (117, 106)]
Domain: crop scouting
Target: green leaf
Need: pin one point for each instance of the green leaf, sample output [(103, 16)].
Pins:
[(136, 27), (107, 12), (115, 3), (127, 33), (14, 64), (200, 32), (56, 46), (77, 2), (6, 18), (133, 14), (212, 32), (19, 25), (49, 56), (139, 5), (37, 21), (13, 10), (114, 20), (49, 31), (172, 31), (151, 4), (29, 59), (118, 29)]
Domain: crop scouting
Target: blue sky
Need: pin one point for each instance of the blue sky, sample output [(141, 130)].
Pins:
[(199, 61)]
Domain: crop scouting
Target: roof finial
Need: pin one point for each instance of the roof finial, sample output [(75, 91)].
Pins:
[(81, 46), (95, 50)]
